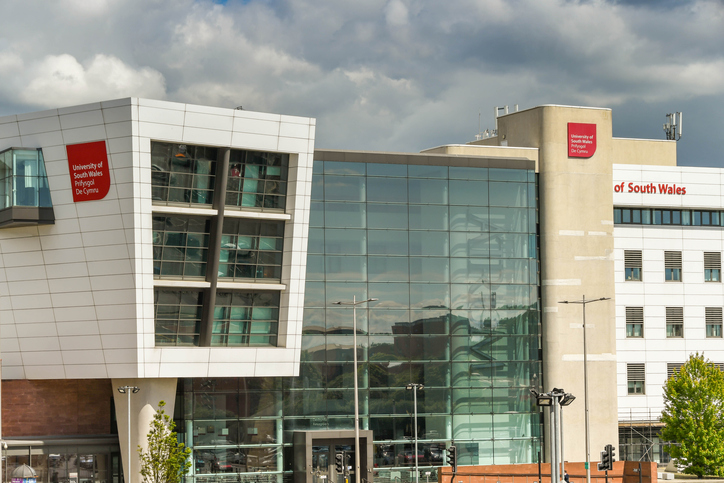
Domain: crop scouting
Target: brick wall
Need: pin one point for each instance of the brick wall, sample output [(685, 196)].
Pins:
[(623, 472), (56, 407)]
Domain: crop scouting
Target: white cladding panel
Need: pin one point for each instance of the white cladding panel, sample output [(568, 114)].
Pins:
[(704, 189), (76, 297)]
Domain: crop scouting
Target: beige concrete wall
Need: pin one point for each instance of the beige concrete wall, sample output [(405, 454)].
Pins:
[(143, 407), (643, 151), (576, 237)]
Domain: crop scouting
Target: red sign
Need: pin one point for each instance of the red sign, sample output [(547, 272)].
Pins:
[(650, 188), (89, 175), (581, 140)]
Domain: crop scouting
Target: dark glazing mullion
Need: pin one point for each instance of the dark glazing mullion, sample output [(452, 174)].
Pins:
[(212, 257)]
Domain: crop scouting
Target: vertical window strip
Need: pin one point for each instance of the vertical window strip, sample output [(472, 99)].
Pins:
[(674, 322), (673, 368), (713, 316), (672, 266), (712, 266), (633, 265), (636, 377), (634, 322)]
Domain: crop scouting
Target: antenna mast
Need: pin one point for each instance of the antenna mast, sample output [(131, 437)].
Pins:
[(672, 127)]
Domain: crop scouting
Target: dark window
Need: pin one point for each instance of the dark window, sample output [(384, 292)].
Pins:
[(177, 316), (180, 246), (636, 375), (713, 317), (633, 265), (712, 266), (634, 322), (672, 266), (674, 322)]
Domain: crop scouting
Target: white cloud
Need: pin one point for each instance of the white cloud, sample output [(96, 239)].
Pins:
[(60, 80), (396, 13)]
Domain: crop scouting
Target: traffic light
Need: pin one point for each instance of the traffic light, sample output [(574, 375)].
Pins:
[(339, 463), (603, 465), (607, 458), (611, 453), (452, 458)]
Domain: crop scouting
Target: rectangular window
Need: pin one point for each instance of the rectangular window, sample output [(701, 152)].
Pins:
[(636, 375), (712, 266), (713, 321), (245, 318), (257, 180), (672, 266), (251, 250), (674, 322), (632, 264), (182, 173), (634, 322), (180, 246), (672, 368), (177, 317)]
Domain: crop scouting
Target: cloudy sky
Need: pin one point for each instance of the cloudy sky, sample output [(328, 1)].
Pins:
[(398, 75)]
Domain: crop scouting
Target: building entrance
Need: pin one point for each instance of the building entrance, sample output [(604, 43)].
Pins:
[(315, 456)]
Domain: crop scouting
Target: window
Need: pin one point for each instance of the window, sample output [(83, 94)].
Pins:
[(712, 266), (251, 250), (178, 317), (674, 322), (672, 266), (636, 378), (245, 318), (632, 264), (672, 368), (713, 321), (180, 246), (634, 322), (257, 180), (182, 173)]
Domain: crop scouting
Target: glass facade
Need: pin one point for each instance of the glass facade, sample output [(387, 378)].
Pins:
[(451, 255), (248, 249), (23, 181)]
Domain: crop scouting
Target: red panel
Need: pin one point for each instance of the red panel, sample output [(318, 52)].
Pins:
[(89, 175), (581, 140)]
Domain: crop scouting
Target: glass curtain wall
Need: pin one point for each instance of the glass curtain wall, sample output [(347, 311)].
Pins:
[(451, 254)]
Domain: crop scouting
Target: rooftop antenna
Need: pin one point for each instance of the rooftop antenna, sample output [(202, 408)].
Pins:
[(673, 124)]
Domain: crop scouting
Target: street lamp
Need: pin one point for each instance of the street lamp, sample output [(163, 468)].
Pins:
[(583, 302), (354, 305), (555, 399), (414, 387), (128, 390)]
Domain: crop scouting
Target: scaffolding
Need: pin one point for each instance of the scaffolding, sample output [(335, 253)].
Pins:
[(639, 436)]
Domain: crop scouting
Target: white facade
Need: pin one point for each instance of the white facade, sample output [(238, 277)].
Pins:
[(77, 296), (704, 191)]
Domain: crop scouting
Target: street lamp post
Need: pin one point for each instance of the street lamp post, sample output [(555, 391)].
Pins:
[(354, 305), (555, 400), (128, 390), (583, 302), (414, 387)]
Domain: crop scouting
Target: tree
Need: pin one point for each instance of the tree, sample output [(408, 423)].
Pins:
[(166, 460), (693, 417)]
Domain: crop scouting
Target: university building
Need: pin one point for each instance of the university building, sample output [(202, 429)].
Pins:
[(208, 257)]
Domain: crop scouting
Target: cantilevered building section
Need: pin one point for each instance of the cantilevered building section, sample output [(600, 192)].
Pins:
[(143, 241)]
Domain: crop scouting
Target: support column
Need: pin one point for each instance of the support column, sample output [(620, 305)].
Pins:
[(144, 404)]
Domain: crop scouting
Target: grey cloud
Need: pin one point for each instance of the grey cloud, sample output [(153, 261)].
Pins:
[(384, 74)]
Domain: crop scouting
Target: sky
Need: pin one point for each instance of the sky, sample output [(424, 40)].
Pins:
[(380, 75)]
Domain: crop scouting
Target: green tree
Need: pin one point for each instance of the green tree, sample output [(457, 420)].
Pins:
[(166, 460), (693, 417)]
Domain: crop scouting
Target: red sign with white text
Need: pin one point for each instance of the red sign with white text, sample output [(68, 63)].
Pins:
[(89, 176), (581, 140)]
